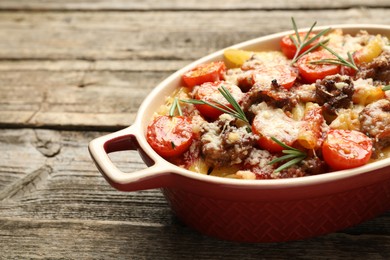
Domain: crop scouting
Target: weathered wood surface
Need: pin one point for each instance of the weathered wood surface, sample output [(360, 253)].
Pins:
[(124, 5), (55, 204), (70, 70), (93, 69)]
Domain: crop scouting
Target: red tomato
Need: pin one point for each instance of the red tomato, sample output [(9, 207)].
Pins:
[(288, 47), (345, 149), (283, 74), (208, 72), (270, 122), (170, 136), (268, 144), (311, 72), (209, 92), (344, 70)]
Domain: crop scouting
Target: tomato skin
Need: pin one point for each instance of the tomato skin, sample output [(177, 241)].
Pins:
[(270, 122), (311, 72), (346, 149), (209, 92), (170, 136), (269, 145), (347, 71), (288, 47), (283, 74), (207, 72)]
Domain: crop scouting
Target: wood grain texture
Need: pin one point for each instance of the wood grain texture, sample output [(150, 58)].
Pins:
[(156, 35), (82, 72), (63, 208), (124, 240), (148, 5), (86, 66)]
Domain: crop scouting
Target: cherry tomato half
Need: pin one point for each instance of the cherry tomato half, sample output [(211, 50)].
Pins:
[(170, 136), (345, 149), (208, 72), (288, 47), (209, 92), (311, 72), (270, 122), (268, 144), (283, 74), (344, 70)]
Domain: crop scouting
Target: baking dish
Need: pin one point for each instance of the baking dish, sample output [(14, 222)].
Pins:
[(248, 210)]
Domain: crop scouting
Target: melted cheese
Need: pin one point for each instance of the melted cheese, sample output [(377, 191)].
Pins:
[(274, 122)]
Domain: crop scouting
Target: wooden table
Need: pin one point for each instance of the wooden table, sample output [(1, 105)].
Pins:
[(71, 71)]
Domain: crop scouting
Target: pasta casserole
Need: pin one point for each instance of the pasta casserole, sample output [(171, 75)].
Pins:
[(317, 103)]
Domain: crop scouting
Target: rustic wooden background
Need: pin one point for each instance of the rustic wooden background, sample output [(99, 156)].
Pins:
[(71, 71)]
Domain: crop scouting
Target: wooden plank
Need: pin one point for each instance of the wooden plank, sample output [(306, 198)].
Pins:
[(61, 178), (63, 208), (182, 5), (57, 99), (78, 70), (152, 35), (90, 239), (15, 145), (154, 65), (58, 177), (81, 72)]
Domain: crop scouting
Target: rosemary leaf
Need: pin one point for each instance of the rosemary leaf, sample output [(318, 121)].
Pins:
[(339, 61), (229, 97), (290, 163), (175, 105), (285, 145), (172, 109), (300, 45), (282, 158), (296, 29), (309, 50), (216, 105), (236, 111), (292, 154)]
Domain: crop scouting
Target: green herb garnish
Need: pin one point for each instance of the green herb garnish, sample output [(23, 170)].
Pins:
[(232, 101), (292, 154), (236, 111), (386, 88), (175, 105), (301, 44), (339, 61)]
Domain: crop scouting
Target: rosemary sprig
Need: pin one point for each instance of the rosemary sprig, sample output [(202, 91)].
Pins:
[(292, 154), (236, 111), (339, 61), (232, 101), (300, 44), (175, 105), (386, 88)]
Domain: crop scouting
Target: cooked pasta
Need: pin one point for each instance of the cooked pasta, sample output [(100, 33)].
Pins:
[(269, 114)]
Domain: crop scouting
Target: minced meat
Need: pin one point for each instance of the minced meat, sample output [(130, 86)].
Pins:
[(375, 122), (334, 92), (378, 69), (225, 143)]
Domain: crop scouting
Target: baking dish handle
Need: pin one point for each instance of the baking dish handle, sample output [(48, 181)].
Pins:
[(156, 175)]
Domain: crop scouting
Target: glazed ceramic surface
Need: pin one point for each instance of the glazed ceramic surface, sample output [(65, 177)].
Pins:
[(248, 210)]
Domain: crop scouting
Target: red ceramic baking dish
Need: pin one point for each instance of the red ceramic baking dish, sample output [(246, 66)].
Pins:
[(248, 210)]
